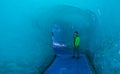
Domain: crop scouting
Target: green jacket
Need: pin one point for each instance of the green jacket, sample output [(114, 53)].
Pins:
[(76, 41)]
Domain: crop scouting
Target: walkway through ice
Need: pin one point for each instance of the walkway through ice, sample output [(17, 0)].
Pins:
[(65, 64)]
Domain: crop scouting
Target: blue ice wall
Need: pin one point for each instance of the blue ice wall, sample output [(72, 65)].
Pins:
[(24, 47), (26, 25)]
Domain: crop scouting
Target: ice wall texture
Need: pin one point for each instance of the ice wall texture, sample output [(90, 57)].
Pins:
[(25, 37), (25, 27)]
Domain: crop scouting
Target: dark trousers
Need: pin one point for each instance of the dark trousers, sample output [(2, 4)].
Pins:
[(76, 51)]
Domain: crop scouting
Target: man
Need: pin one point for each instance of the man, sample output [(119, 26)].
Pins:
[(76, 45)]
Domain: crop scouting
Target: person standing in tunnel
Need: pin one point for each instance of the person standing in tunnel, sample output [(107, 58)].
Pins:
[(76, 45)]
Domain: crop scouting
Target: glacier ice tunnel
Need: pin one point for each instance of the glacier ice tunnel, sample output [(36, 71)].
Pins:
[(36, 36)]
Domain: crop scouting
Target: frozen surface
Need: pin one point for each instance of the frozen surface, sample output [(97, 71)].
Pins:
[(23, 45)]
